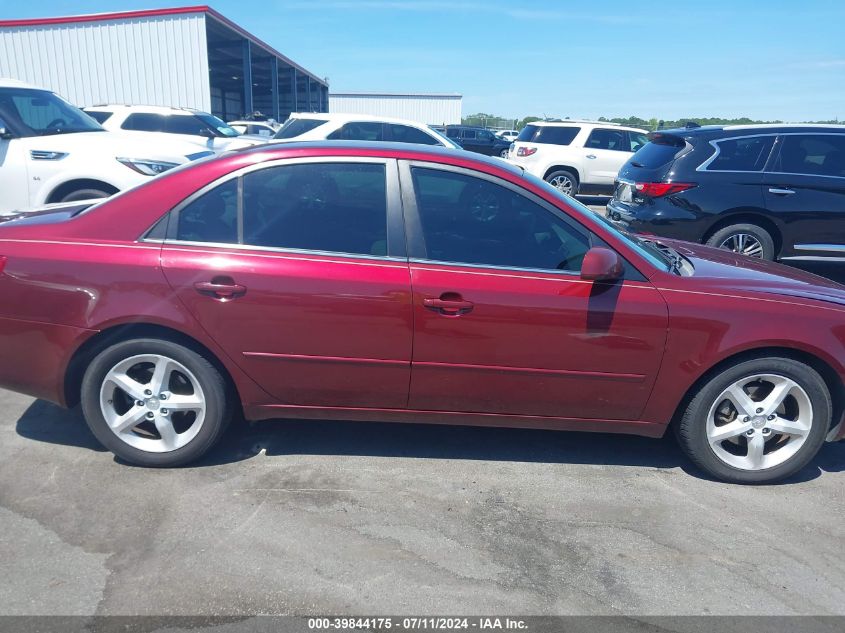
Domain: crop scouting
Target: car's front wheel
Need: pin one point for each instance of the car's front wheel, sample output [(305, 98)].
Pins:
[(155, 403), (85, 194), (758, 421)]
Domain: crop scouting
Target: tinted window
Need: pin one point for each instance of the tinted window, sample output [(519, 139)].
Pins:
[(468, 134), (608, 139), (474, 221), (816, 155), (99, 116), (213, 217), (359, 131), (661, 150), (408, 134), (552, 135), (295, 127), (185, 124), (335, 207), (484, 135), (28, 112), (453, 133), (742, 154), (143, 122)]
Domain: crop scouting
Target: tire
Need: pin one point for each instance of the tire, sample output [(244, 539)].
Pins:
[(85, 194), (559, 179), (194, 389), (504, 153), (745, 239), (712, 414)]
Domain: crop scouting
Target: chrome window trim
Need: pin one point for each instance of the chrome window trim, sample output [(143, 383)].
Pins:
[(813, 258), (715, 143), (279, 250), (392, 197), (544, 271)]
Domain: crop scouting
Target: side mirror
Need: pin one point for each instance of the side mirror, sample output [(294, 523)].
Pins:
[(601, 264)]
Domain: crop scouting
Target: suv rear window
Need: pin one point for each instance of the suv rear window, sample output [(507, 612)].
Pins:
[(549, 134), (659, 151), (294, 127)]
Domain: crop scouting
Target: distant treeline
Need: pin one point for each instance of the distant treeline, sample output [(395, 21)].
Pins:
[(491, 120)]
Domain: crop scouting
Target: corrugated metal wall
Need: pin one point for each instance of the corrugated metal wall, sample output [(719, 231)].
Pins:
[(142, 61), (428, 109)]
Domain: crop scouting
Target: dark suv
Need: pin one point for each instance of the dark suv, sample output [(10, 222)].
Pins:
[(769, 191), (478, 139)]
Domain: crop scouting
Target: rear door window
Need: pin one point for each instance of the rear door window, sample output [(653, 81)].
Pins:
[(615, 140), (812, 155), (742, 154), (549, 134), (296, 127), (144, 122), (359, 131), (408, 134)]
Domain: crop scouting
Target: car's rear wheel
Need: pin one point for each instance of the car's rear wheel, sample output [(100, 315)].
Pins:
[(85, 194), (563, 180), (757, 422), (745, 239), (154, 402), (504, 153)]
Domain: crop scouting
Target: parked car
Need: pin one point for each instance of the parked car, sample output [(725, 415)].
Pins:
[(200, 128), (478, 139), (255, 128), (576, 156), (50, 152), (508, 135), (768, 191), (303, 126), (295, 280)]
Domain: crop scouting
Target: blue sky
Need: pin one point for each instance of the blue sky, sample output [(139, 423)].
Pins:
[(767, 59)]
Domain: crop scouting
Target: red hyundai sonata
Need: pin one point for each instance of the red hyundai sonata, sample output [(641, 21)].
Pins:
[(408, 284)]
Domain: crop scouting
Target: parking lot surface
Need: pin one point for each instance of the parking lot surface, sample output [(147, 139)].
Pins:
[(348, 518)]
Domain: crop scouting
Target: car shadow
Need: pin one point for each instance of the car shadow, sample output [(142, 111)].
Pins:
[(45, 422)]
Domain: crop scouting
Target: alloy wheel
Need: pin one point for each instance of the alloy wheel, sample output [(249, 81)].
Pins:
[(759, 422), (563, 183), (152, 403), (744, 244)]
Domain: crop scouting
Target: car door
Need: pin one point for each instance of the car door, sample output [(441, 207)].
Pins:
[(502, 321), (298, 271), (14, 178), (486, 142), (605, 151), (469, 140), (804, 187)]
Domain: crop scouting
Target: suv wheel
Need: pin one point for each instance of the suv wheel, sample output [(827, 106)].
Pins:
[(563, 180), (504, 153), (745, 239), (154, 403), (85, 194), (758, 421)]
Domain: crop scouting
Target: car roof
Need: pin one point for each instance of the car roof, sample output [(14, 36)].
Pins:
[(6, 82), (336, 117), (715, 131), (581, 123), (139, 108), (384, 149)]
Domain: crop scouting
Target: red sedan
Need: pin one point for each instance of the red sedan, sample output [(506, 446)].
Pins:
[(408, 284)]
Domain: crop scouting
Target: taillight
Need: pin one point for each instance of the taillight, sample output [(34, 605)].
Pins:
[(526, 151), (2, 262), (659, 189)]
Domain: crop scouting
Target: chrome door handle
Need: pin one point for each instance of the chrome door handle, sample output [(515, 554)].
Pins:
[(449, 304), (591, 156), (220, 288), (778, 191)]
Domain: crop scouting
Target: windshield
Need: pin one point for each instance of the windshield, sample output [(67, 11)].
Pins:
[(296, 127), (444, 139), (29, 112), (653, 255), (218, 126)]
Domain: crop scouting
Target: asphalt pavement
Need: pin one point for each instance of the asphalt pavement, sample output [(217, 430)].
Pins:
[(309, 517)]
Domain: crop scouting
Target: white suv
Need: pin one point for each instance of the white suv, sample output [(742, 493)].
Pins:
[(50, 151), (576, 156), (192, 126)]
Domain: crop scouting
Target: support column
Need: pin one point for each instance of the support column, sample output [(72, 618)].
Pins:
[(274, 86), (247, 59)]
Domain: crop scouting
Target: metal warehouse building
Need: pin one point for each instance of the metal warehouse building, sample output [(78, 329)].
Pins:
[(186, 57), (431, 109)]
